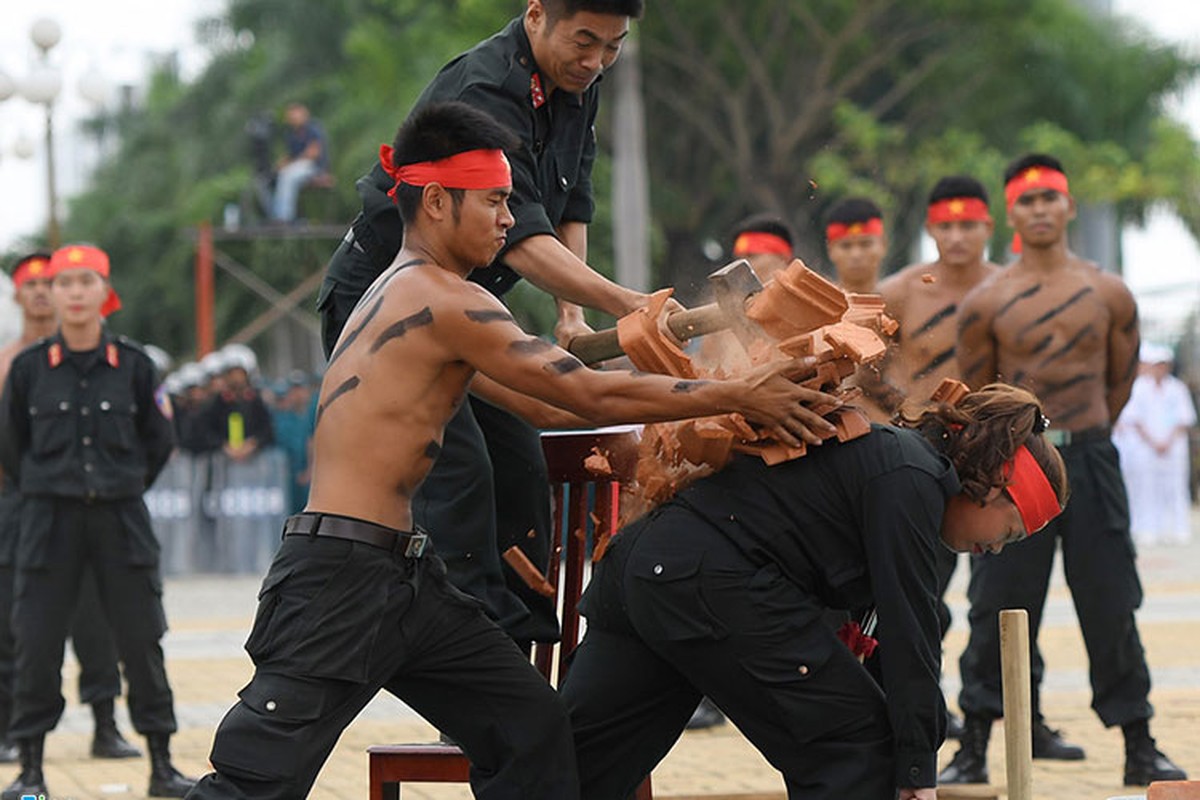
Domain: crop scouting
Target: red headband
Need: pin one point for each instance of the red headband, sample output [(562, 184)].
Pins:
[(30, 269), (472, 169), (1034, 178), (954, 209), (840, 230), (758, 242), (1030, 491), (82, 256)]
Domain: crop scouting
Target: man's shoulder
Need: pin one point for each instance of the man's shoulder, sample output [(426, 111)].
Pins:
[(496, 62), (30, 353)]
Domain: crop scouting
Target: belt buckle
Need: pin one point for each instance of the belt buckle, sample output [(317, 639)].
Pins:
[(1058, 438), (416, 545)]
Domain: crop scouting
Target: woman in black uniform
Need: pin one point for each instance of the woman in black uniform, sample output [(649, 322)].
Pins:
[(720, 591)]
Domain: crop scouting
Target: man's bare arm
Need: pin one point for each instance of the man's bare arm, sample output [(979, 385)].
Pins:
[(873, 380), (1124, 339), (534, 411), (550, 265), (478, 328), (977, 361)]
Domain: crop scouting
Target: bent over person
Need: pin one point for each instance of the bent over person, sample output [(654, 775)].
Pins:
[(355, 599), (721, 591)]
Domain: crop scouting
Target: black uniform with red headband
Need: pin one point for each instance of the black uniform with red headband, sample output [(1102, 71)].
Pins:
[(84, 435), (721, 591)]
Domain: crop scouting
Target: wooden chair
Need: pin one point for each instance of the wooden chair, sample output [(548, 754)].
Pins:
[(579, 496)]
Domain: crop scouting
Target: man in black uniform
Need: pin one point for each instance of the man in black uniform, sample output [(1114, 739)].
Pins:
[(489, 489), (91, 637), (83, 436)]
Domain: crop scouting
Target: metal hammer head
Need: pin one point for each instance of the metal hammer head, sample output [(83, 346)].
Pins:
[(734, 284)]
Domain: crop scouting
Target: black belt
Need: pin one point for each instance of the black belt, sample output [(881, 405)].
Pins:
[(1066, 438), (356, 530)]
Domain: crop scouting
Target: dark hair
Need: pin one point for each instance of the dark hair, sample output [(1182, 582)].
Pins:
[(1031, 160), (441, 130), (984, 430), (764, 223), (957, 186), (30, 257), (851, 210), (564, 9)]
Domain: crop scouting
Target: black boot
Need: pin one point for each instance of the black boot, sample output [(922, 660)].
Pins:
[(30, 781), (706, 715), (969, 764), (9, 752), (165, 780), (954, 725), (108, 741), (1145, 763), (1049, 744)]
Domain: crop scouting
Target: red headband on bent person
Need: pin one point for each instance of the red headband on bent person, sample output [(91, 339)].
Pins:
[(840, 230), (954, 209), (30, 269), (82, 256), (472, 169), (1030, 491), (753, 243)]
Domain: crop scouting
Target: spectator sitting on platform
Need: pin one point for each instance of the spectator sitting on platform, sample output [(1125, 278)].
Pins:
[(306, 159), (236, 420)]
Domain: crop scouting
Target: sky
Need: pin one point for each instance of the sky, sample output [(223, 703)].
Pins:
[(119, 38)]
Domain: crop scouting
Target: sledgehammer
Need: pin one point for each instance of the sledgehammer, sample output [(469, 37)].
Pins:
[(735, 286)]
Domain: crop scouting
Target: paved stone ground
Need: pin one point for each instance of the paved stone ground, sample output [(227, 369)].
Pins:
[(210, 617)]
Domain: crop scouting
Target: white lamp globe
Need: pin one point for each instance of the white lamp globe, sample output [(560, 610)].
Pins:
[(8, 86), (45, 33), (42, 85), (93, 87), (23, 147)]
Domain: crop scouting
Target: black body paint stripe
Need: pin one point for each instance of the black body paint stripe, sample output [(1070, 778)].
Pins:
[(1042, 345), (938, 360), (397, 329), (379, 287), (530, 347), (432, 451), (1058, 309), (489, 315), (1030, 292), (349, 340), (1072, 413), (1070, 345), (565, 366), (936, 319), (1051, 389), (348, 385), (968, 321), (973, 368)]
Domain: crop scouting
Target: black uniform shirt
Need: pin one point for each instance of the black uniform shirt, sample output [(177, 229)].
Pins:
[(858, 524), (551, 172), (212, 419), (83, 425)]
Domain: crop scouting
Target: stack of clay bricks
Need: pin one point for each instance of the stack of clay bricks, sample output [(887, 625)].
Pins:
[(798, 314)]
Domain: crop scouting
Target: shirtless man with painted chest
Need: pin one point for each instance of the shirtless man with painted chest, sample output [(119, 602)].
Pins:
[(1059, 326), (353, 602)]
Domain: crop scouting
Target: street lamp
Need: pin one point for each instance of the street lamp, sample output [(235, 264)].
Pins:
[(42, 86)]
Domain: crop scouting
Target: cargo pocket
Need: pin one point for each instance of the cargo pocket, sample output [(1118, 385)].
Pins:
[(666, 599), (263, 735), (258, 644)]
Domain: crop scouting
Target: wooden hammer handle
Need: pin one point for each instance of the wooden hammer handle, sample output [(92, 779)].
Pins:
[(591, 348)]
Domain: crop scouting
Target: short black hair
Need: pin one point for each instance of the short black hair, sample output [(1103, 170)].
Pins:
[(441, 130), (764, 223), (1028, 160), (564, 9), (957, 186), (44, 256), (851, 210)]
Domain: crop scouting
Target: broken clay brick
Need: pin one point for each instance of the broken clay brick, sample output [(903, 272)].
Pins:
[(855, 341), (797, 301), (530, 574), (927, 277), (597, 464), (649, 344), (1173, 790), (950, 391)]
